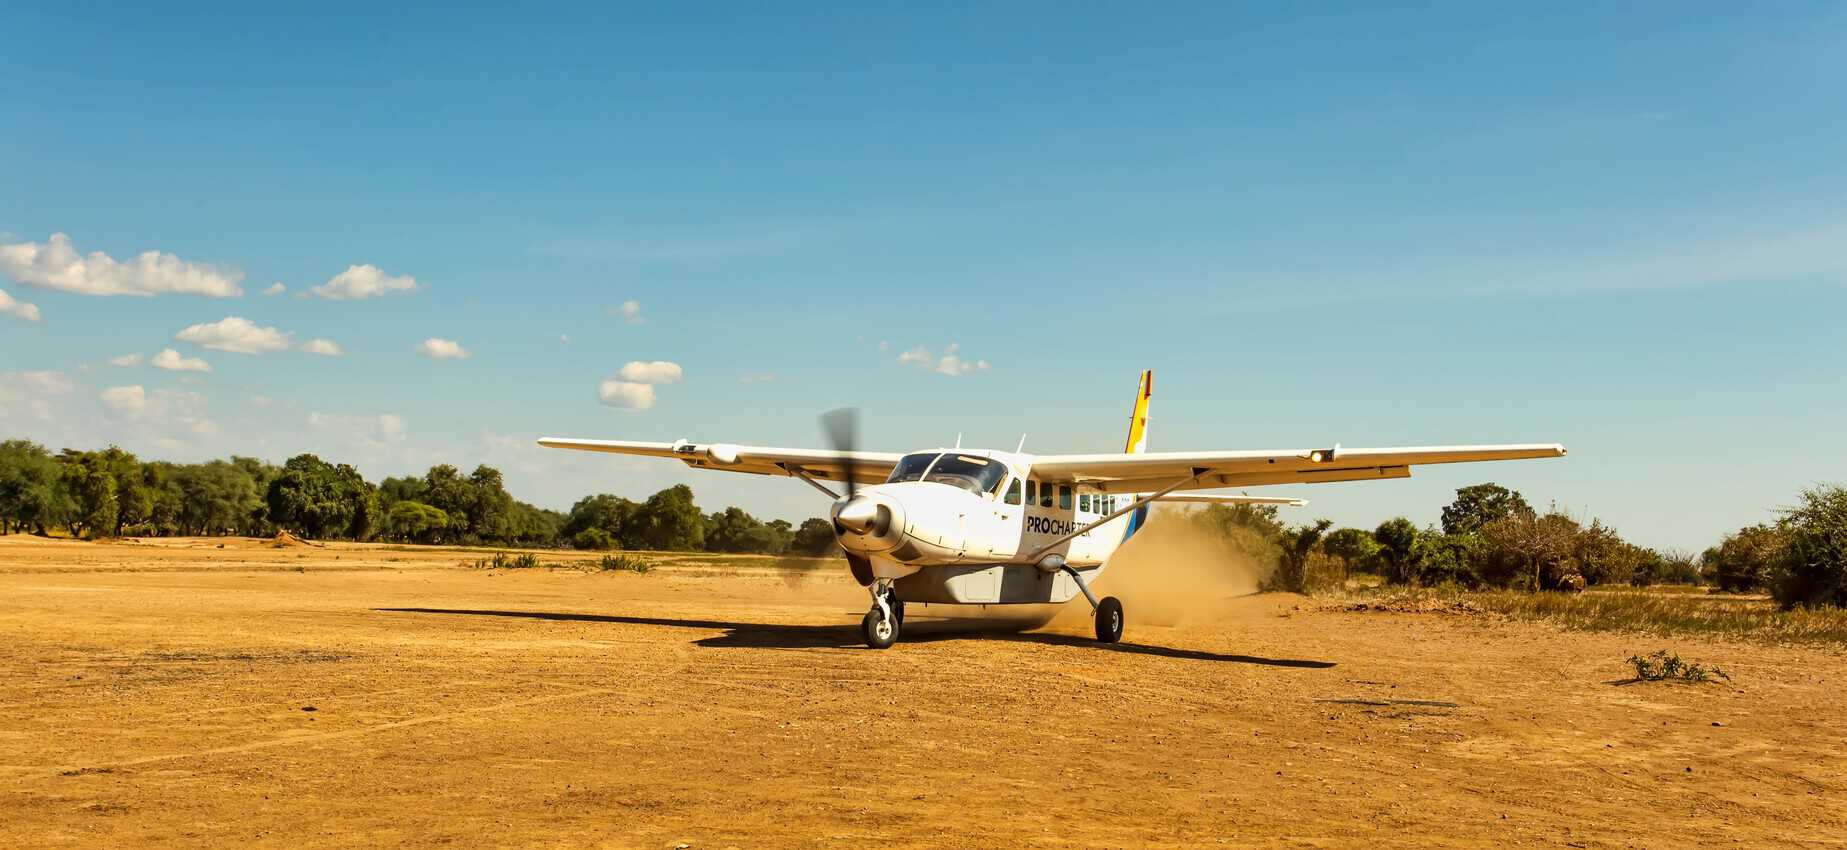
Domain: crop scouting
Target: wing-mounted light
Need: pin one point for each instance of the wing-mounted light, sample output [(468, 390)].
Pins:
[(1324, 455)]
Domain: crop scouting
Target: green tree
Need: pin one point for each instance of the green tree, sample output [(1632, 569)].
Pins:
[(415, 521), (32, 492), (815, 537), (1532, 550), (89, 478), (490, 508), (1813, 567), (1439, 558), (1351, 546), (320, 499), (1298, 544), (1743, 560), (668, 520), (733, 530), (1481, 504), (1397, 539), (606, 513)]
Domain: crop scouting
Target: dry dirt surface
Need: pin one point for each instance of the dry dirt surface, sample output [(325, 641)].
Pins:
[(179, 694)]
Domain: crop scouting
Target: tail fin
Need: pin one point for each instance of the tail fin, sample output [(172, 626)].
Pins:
[(1138, 417)]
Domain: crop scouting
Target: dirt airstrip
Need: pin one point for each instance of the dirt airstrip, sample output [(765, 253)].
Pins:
[(174, 693)]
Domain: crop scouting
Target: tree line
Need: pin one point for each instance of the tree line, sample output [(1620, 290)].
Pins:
[(1490, 537), (111, 493)]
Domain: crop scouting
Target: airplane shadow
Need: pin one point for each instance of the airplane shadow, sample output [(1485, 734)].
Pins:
[(916, 630)]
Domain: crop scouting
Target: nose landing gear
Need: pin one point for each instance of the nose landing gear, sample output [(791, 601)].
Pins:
[(881, 624)]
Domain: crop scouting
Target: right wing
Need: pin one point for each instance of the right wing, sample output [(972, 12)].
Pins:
[(868, 467), (1204, 499)]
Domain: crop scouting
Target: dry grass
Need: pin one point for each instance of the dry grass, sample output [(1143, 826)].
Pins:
[(1661, 611)]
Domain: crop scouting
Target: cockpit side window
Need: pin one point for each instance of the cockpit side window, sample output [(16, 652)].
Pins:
[(1013, 492), (911, 467)]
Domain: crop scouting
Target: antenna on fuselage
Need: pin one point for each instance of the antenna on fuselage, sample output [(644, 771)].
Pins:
[(958, 439), (1022, 446)]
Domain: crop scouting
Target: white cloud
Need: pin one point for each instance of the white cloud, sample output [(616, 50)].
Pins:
[(235, 334), (364, 281), (951, 363), (564, 338), (30, 392), (372, 432), (392, 426), (56, 265), (442, 349), (758, 378), (131, 400), (275, 289), (650, 372), (630, 312), (626, 395), (133, 359), (323, 347), (171, 361), (261, 400), (10, 306)]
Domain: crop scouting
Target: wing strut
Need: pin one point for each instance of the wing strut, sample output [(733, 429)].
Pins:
[(797, 472), (1198, 472)]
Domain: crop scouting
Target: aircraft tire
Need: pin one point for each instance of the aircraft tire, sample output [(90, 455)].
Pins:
[(1109, 620), (874, 631)]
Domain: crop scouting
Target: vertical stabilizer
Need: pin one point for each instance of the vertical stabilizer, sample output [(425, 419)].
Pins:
[(1138, 441), (1138, 416)]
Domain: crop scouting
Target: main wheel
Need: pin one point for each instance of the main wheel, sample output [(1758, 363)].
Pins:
[(1109, 620), (880, 632)]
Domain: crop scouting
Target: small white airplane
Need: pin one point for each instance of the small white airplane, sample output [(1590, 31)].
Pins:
[(987, 527)]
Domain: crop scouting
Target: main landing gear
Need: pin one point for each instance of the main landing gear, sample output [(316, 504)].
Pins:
[(1108, 611), (881, 624)]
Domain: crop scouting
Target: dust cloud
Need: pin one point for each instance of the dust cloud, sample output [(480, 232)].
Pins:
[(1174, 573)]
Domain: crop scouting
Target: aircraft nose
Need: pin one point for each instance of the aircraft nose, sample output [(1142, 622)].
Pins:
[(863, 515)]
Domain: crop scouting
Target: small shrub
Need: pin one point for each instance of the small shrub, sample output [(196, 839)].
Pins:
[(502, 561), (1660, 666), (623, 563)]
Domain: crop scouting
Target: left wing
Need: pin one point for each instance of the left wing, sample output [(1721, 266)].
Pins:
[(868, 467), (1152, 471)]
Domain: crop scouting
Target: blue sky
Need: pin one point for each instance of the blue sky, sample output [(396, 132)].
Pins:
[(1622, 229)]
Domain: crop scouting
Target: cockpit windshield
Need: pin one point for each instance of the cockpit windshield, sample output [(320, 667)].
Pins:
[(911, 467), (977, 475)]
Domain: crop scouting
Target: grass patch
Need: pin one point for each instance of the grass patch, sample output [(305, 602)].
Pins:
[(623, 563), (1663, 611), (1659, 666), (506, 561)]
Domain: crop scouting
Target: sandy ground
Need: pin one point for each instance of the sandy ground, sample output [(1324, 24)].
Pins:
[(179, 694)]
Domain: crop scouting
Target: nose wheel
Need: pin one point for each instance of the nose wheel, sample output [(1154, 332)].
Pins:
[(881, 624)]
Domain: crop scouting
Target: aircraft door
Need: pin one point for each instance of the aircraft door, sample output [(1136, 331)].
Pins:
[(1000, 536)]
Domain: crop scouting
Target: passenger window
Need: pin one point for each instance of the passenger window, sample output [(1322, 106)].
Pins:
[(1083, 502), (1045, 495), (1064, 498), (1013, 492), (1032, 492)]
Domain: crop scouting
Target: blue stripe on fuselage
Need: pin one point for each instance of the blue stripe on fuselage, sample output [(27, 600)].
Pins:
[(1135, 522)]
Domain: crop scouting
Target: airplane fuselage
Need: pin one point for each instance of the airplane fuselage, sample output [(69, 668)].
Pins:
[(991, 533)]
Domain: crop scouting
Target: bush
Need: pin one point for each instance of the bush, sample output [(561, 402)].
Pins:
[(623, 563), (1743, 560), (594, 539), (503, 561), (1811, 569), (1659, 666)]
